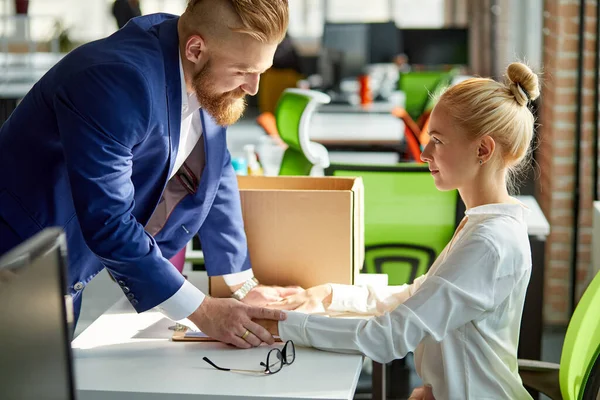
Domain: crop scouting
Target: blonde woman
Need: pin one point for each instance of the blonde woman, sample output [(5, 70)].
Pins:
[(462, 318)]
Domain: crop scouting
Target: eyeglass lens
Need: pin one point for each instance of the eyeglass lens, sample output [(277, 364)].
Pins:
[(274, 361), (289, 352)]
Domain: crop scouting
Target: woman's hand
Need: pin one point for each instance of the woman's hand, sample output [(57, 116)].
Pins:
[(422, 393), (315, 299), (270, 325), (262, 295)]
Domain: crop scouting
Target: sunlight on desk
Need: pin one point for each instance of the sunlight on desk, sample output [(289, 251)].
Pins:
[(119, 328)]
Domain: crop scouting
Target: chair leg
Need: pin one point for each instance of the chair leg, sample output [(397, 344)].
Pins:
[(379, 383), (544, 382), (399, 386)]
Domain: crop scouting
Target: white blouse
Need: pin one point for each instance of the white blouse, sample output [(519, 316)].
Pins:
[(461, 319)]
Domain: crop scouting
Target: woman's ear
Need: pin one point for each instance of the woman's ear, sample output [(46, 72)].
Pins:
[(486, 148)]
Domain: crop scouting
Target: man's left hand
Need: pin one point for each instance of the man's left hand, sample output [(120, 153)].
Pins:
[(261, 295)]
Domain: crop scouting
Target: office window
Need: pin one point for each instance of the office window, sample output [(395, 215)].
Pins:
[(91, 19), (167, 6), (419, 14), (358, 10), (84, 20), (307, 16), (40, 25)]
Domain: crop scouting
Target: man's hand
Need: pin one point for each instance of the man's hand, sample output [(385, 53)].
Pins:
[(315, 299), (227, 320), (262, 295)]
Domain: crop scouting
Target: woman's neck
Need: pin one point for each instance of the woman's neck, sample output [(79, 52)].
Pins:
[(485, 189)]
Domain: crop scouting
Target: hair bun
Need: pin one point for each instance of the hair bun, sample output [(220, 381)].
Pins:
[(524, 83)]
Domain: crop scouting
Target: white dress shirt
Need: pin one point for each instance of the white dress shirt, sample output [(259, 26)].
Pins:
[(461, 319), (188, 298)]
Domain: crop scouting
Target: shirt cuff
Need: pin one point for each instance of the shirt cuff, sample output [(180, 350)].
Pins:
[(294, 328), (348, 298), (183, 303), (238, 277)]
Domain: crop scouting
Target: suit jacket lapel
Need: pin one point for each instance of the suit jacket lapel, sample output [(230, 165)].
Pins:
[(214, 147), (169, 41)]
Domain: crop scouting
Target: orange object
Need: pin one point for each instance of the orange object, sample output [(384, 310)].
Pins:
[(366, 96), (267, 121), (412, 141), (424, 136), (422, 120), (412, 134)]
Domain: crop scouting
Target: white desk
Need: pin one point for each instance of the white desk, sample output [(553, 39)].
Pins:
[(373, 108), (363, 157), (14, 91), (128, 356), (19, 73), (38, 60), (537, 224), (356, 128)]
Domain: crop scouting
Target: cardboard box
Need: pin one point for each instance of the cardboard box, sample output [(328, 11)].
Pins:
[(301, 231)]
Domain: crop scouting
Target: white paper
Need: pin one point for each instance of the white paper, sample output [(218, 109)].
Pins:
[(195, 334)]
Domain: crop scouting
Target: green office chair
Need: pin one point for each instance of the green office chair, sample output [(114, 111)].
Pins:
[(408, 221), (294, 110), (443, 83), (418, 86), (578, 375)]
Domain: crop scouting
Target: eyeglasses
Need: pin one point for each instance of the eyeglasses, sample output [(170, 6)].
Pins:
[(276, 359)]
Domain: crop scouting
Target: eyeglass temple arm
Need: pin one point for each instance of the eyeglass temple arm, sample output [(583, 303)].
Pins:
[(215, 365), (230, 369)]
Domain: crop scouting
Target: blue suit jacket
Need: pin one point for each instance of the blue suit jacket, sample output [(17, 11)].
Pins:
[(90, 149)]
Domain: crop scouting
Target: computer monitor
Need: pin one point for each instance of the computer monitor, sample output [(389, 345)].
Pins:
[(35, 345), (383, 42), (351, 42), (348, 48), (432, 47)]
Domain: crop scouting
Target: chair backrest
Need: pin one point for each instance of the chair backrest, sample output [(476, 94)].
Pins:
[(443, 83), (293, 114), (417, 86), (582, 343), (294, 163), (408, 221)]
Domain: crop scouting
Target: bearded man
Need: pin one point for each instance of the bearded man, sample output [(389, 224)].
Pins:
[(122, 144)]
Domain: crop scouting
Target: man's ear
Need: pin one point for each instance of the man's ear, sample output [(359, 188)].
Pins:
[(486, 148), (195, 49)]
